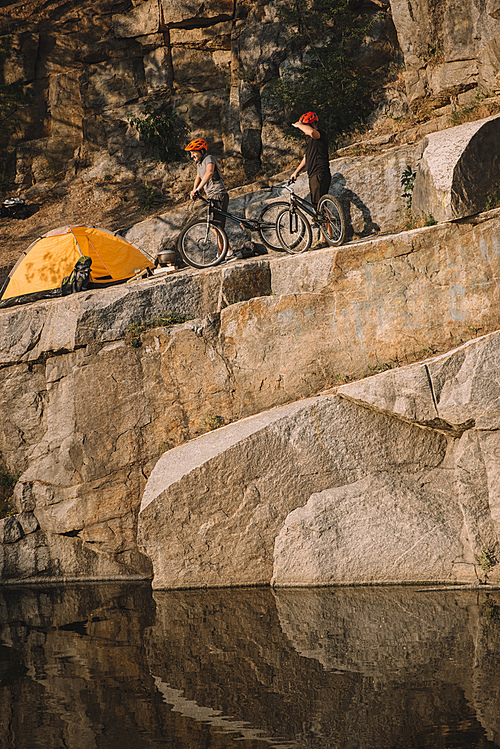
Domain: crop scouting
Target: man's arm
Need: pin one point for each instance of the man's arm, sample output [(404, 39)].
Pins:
[(300, 167), (195, 187), (312, 132), (206, 177)]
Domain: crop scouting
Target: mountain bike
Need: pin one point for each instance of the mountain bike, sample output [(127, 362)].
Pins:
[(293, 222), (203, 244)]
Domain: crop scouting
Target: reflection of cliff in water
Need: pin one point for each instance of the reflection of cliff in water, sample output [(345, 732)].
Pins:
[(73, 672), (416, 653), (112, 666)]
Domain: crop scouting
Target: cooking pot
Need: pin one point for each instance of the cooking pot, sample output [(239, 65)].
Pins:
[(166, 257)]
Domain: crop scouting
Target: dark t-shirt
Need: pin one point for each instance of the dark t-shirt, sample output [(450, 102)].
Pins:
[(317, 161)]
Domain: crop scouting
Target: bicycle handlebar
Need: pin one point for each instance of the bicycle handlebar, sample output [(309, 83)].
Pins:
[(286, 185), (202, 197)]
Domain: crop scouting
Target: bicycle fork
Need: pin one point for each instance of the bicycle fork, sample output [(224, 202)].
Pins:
[(293, 218), (294, 222), (207, 227)]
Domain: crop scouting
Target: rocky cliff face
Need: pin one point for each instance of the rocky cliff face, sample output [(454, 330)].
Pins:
[(84, 69), (448, 47), (86, 416), (404, 504)]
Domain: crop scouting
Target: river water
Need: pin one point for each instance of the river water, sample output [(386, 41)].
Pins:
[(118, 666)]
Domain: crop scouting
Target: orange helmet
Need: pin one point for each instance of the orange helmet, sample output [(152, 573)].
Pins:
[(198, 144), (308, 117)]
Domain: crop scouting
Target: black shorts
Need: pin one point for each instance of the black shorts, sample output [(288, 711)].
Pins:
[(319, 184), (222, 203)]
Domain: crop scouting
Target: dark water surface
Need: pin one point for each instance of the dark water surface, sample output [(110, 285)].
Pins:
[(112, 665)]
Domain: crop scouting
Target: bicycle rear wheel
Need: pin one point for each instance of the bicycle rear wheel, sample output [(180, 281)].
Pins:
[(202, 245), (267, 225), (331, 220), (293, 230)]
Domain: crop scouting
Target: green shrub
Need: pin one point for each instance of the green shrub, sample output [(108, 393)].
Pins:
[(467, 112), (150, 197), (330, 82), (214, 421), (486, 560), (492, 200), (161, 130), (408, 183)]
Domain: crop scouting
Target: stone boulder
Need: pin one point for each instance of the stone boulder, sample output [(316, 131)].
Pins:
[(380, 529), (456, 176), (452, 392), (406, 494), (10, 530), (212, 508), (458, 393), (40, 556)]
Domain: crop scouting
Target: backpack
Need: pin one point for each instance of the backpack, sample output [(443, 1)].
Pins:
[(78, 279)]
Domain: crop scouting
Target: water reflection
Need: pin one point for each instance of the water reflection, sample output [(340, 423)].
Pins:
[(108, 666)]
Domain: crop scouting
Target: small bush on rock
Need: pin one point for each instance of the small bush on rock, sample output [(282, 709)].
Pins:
[(161, 130), (132, 337), (214, 421), (330, 79)]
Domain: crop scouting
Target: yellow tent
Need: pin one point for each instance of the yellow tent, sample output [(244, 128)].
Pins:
[(49, 259)]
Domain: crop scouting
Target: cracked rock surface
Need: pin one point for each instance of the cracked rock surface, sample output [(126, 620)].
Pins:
[(85, 416)]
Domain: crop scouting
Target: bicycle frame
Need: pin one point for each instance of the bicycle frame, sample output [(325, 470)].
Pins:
[(207, 222), (294, 199), (246, 223), (328, 216)]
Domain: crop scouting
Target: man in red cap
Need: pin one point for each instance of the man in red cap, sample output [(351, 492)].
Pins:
[(315, 160)]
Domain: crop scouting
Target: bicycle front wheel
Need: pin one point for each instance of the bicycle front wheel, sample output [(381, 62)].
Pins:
[(331, 220), (293, 230), (267, 225), (202, 245)]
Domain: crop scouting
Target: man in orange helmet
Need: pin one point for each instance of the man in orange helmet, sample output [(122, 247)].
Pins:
[(209, 178), (315, 160)]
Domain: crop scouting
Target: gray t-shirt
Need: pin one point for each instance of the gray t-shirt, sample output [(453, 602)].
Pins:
[(214, 186)]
